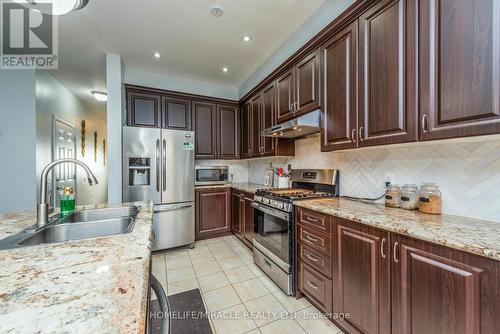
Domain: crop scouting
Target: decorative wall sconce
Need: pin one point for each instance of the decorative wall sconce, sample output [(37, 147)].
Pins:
[(83, 138), (104, 152), (95, 146)]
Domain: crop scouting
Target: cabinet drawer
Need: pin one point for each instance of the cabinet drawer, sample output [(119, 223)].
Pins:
[(317, 240), (315, 219), (315, 259), (315, 286)]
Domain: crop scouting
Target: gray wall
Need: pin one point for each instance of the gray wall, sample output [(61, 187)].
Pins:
[(17, 140)]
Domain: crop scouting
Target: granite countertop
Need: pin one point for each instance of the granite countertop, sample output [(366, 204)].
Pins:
[(243, 186), (467, 234), (96, 285)]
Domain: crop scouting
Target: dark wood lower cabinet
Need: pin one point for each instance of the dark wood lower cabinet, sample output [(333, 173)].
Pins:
[(248, 214), (213, 212), (242, 216), (236, 212), (383, 283), (440, 290), (361, 278)]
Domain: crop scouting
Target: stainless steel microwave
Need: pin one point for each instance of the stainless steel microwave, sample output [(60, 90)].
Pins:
[(207, 175)]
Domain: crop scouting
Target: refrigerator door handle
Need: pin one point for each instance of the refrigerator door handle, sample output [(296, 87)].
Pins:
[(164, 165), (158, 165), (173, 208)]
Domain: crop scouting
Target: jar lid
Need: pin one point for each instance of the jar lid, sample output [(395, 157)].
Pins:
[(430, 186), (394, 187), (410, 186)]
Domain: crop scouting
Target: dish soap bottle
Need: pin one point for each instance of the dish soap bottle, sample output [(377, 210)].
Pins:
[(67, 201)]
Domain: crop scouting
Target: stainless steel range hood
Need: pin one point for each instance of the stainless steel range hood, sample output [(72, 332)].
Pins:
[(297, 127)]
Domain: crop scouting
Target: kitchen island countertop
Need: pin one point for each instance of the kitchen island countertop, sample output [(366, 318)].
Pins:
[(95, 285), (471, 235)]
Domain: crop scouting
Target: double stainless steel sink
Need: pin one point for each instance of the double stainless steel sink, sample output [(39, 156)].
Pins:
[(79, 225)]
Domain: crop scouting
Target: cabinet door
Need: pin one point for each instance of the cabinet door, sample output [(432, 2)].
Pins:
[(205, 126), (459, 68), (143, 109), (339, 122), (228, 132), (387, 112), (246, 129), (176, 113), (213, 213), (285, 96), (255, 121), (248, 233), (307, 93), (236, 212), (361, 278), (268, 117), (441, 290)]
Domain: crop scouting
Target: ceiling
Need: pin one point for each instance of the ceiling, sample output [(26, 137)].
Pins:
[(193, 44)]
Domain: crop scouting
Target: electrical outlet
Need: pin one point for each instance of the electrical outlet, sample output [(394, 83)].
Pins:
[(388, 179)]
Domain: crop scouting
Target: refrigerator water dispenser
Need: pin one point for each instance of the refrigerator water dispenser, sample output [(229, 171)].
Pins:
[(139, 172)]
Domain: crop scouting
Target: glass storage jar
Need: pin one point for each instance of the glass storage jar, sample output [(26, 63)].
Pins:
[(430, 199), (409, 196), (393, 196)]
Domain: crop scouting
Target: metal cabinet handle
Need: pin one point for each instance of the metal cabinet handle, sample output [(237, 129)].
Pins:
[(361, 133), (311, 238), (353, 135), (158, 165), (312, 219), (312, 285), (424, 123), (312, 258), (382, 247), (394, 255)]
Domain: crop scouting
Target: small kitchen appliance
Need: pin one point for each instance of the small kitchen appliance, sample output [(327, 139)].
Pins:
[(274, 221)]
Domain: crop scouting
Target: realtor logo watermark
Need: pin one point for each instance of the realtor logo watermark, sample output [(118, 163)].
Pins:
[(29, 35)]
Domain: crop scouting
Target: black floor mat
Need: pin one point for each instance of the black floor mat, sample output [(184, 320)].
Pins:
[(187, 314)]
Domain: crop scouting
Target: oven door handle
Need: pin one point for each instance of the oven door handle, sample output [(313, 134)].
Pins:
[(271, 211)]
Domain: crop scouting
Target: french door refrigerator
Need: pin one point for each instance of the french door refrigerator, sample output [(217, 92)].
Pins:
[(158, 166)]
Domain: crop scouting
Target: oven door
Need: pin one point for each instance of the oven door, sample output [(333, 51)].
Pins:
[(272, 232)]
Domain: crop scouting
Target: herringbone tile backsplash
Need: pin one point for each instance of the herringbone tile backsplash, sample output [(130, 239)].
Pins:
[(468, 172)]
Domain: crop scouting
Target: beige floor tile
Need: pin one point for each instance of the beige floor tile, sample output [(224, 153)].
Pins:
[(291, 303), (158, 269), (233, 320), (266, 309), (230, 262), (206, 268), (180, 274), (269, 284), (201, 256), (255, 270), (247, 259), (239, 274), (224, 255), (178, 262), (182, 286), (250, 289), (222, 298), (242, 250), (313, 321), (213, 281), (176, 253), (255, 331), (283, 326), (212, 241)]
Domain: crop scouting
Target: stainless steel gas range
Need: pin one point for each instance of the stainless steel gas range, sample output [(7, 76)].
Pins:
[(274, 221)]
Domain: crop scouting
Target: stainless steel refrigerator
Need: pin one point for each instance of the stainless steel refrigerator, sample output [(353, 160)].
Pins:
[(158, 166)]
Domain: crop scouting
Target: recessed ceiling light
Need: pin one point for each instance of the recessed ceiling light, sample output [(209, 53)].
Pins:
[(216, 11), (157, 55), (246, 38), (225, 69), (100, 96)]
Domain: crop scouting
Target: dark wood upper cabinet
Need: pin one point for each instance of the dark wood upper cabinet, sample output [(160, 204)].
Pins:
[(228, 132), (441, 290), (459, 77), (213, 212), (339, 117), (176, 113), (285, 95), (387, 112), (361, 278), (143, 109), (307, 83), (255, 125), (246, 129), (268, 118), (205, 125)]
